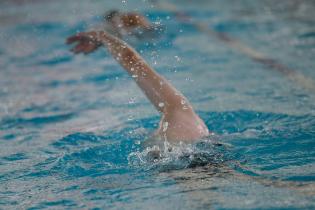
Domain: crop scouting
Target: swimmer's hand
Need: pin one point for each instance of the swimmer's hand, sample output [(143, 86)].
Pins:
[(86, 42)]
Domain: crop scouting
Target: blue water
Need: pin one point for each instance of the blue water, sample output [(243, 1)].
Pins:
[(74, 129)]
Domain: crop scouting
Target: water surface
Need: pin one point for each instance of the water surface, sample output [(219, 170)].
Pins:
[(72, 127)]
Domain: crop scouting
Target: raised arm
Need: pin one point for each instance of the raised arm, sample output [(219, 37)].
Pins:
[(179, 120), (160, 92)]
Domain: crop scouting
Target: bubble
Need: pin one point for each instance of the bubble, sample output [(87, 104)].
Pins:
[(132, 100), (165, 126), (189, 79), (161, 104)]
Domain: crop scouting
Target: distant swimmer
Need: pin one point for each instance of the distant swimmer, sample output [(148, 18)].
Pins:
[(130, 23), (179, 121)]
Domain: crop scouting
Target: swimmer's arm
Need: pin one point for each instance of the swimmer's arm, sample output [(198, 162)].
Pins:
[(161, 93), (134, 20), (139, 20)]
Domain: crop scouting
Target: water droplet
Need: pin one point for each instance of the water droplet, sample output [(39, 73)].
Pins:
[(132, 100), (165, 126)]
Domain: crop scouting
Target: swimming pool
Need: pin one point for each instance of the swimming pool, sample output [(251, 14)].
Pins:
[(72, 127)]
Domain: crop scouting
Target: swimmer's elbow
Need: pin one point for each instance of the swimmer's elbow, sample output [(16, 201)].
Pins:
[(184, 126)]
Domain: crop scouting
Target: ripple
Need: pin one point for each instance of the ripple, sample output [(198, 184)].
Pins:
[(307, 35), (267, 142), (55, 61), (51, 204), (15, 157), (76, 139), (19, 122)]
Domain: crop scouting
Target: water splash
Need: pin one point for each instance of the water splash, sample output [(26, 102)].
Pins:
[(167, 156)]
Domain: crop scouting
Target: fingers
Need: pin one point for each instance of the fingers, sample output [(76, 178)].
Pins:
[(86, 42), (84, 47), (89, 48), (77, 37), (72, 39), (78, 48)]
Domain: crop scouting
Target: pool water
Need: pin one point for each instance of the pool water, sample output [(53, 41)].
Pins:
[(73, 129)]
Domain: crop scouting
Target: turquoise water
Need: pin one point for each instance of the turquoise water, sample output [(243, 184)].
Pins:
[(73, 128)]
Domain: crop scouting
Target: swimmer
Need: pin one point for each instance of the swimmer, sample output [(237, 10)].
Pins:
[(127, 23), (179, 121)]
